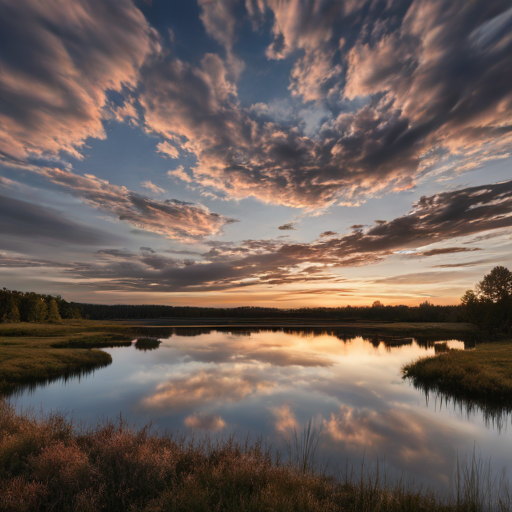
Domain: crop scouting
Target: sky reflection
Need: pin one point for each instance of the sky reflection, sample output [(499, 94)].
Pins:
[(270, 382)]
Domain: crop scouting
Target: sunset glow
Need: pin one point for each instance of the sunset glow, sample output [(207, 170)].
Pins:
[(254, 153)]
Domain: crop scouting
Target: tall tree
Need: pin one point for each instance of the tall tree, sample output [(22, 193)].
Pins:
[(9, 311), (37, 310), (491, 306), (53, 311), (496, 285)]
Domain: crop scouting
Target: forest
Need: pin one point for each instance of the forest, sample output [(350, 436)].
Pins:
[(489, 307), (16, 306)]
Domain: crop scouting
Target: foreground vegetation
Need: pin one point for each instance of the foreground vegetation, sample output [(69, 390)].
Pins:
[(483, 374), (32, 353), (47, 464)]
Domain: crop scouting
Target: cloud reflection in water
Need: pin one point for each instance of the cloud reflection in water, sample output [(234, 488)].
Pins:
[(273, 382)]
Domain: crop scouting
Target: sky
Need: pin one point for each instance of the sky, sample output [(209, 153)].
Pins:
[(280, 153)]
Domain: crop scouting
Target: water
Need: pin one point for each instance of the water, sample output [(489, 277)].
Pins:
[(269, 382)]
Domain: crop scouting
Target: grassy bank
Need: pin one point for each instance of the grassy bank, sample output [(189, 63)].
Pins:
[(46, 465), (483, 374), (34, 353)]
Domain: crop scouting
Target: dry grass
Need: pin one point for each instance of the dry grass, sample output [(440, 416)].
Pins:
[(47, 465), (483, 374), (32, 353)]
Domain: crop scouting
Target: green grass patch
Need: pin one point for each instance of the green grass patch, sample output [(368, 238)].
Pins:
[(483, 374)]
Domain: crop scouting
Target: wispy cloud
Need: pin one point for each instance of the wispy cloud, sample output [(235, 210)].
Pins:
[(437, 218), (151, 186), (25, 220), (171, 218)]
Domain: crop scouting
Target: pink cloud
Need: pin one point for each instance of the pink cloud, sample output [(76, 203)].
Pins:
[(55, 84), (171, 218)]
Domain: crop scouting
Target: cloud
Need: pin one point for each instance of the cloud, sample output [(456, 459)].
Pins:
[(434, 219), (290, 226), (151, 186), (364, 71), (22, 219), (180, 173), (167, 150), (371, 71), (205, 421), (419, 278), (220, 20), (464, 264), (445, 250), (13, 260), (60, 60), (171, 218)]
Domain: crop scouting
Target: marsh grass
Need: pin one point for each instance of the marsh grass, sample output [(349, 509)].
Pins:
[(303, 445), (48, 463), (41, 353), (147, 344), (483, 375), (106, 340)]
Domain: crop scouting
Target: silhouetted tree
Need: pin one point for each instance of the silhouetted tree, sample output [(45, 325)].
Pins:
[(496, 285), (490, 306)]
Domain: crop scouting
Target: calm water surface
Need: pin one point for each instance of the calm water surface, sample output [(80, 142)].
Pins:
[(266, 383)]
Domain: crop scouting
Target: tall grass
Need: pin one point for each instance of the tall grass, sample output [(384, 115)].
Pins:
[(51, 464), (476, 484), (303, 445)]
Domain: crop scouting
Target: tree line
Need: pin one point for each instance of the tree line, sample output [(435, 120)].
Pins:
[(489, 305), (18, 306), (426, 312)]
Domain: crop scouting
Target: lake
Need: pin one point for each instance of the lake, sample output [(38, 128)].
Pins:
[(268, 382)]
